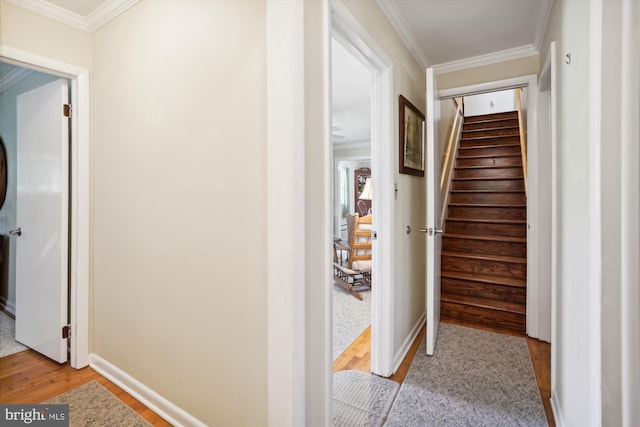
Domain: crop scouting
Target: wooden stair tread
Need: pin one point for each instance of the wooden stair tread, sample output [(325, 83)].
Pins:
[(484, 129), (485, 278), (490, 221), (484, 257), (464, 138), (491, 117), (475, 147), (490, 205), (489, 120), (485, 237), (489, 156), (485, 303), (488, 178), (498, 191), (489, 167)]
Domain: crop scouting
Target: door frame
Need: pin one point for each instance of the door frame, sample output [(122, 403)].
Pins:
[(348, 31), (535, 242), (79, 192)]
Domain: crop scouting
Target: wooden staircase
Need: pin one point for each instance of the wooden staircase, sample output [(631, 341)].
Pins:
[(484, 247)]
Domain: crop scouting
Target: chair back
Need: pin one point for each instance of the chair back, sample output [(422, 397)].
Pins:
[(361, 240)]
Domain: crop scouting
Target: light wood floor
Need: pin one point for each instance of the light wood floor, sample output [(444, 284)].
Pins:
[(358, 357), (28, 377)]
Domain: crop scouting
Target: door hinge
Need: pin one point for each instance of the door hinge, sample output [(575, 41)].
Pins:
[(67, 111), (66, 331), (374, 235)]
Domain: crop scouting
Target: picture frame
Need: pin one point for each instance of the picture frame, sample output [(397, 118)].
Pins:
[(412, 149)]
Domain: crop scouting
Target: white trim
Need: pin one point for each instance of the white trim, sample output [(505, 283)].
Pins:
[(80, 192), (348, 31), (154, 401), (493, 86), (594, 213), (406, 345), (541, 26), (8, 305), (286, 246), (100, 16), (351, 145), (531, 82), (555, 408), (490, 58), (399, 24), (13, 78), (630, 213)]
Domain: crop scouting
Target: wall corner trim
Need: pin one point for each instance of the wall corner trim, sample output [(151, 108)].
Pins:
[(158, 404), (408, 342)]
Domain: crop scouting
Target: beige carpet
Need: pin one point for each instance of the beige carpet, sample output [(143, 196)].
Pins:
[(93, 405)]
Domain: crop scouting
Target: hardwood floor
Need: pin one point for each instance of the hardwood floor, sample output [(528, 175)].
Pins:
[(358, 357), (28, 377)]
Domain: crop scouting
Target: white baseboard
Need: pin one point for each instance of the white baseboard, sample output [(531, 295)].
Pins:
[(158, 404), (8, 306), (555, 408), (406, 345)]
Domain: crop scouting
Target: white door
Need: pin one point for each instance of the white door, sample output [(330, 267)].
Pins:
[(434, 211), (41, 239)]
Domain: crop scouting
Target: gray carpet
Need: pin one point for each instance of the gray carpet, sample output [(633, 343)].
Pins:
[(350, 318), (93, 405), (361, 399), (475, 378), (8, 343)]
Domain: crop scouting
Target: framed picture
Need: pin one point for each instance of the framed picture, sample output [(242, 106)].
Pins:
[(411, 138)]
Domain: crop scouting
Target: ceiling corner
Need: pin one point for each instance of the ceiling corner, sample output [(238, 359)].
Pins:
[(13, 78), (541, 26), (398, 23), (107, 12), (90, 23)]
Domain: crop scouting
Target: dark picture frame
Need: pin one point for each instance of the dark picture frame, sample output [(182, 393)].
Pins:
[(3, 173), (412, 150)]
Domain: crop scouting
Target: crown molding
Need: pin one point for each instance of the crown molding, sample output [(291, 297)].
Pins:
[(13, 78), (490, 58), (541, 27), (398, 23), (90, 23), (351, 145)]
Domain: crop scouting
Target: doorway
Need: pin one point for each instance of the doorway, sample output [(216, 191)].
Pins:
[(358, 44), (35, 217), (538, 311), (79, 208)]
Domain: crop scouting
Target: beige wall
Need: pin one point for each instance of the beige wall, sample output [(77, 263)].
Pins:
[(488, 73), (409, 80), (28, 31), (179, 168)]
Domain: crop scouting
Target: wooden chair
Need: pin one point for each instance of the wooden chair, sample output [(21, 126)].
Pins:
[(353, 274)]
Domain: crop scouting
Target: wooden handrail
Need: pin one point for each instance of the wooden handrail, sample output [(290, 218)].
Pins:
[(523, 139), (446, 165), (449, 160)]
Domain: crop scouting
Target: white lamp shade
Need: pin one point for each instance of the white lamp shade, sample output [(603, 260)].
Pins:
[(366, 191)]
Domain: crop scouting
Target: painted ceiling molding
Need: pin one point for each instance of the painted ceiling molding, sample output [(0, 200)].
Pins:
[(13, 78), (542, 26), (490, 58), (90, 23), (397, 22)]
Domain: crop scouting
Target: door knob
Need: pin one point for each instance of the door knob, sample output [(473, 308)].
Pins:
[(431, 231), (17, 232)]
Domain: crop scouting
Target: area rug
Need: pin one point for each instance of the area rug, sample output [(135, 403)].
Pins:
[(361, 399), (350, 318), (475, 378), (93, 405), (8, 343)]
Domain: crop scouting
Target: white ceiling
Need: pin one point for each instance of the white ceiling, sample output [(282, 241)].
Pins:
[(444, 31), (350, 98), (80, 7)]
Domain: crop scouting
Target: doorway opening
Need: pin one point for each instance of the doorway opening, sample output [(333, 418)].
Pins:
[(79, 191)]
